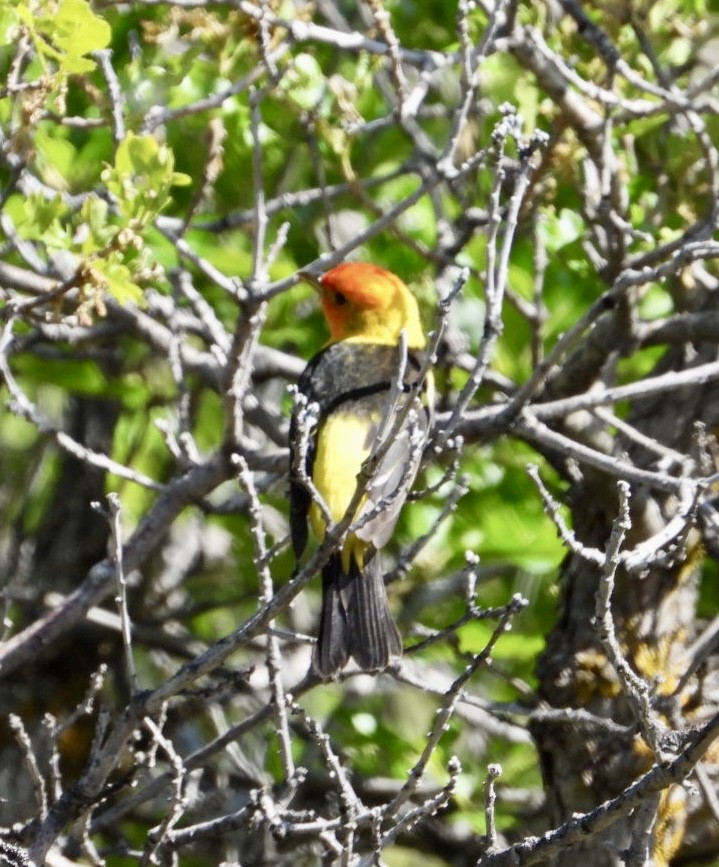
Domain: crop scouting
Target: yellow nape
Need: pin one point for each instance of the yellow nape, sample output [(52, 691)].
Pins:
[(386, 326)]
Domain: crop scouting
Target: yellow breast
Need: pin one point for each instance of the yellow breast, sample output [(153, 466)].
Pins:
[(343, 443)]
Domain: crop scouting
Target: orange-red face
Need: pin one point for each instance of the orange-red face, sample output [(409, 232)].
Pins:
[(353, 287)]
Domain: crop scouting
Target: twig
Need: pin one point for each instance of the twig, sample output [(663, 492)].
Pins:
[(89, 701), (117, 100), (301, 31), (55, 787), (708, 789), (273, 656), (698, 652), (532, 849), (389, 218), (534, 431), (494, 771), (646, 553), (160, 116), (670, 457), (112, 516), (635, 688), (290, 201), (428, 808), (383, 22), (497, 262), (24, 407), (662, 383), (541, 373), (38, 783), (306, 415), (471, 614), (351, 805), (447, 708), (217, 334), (157, 837), (449, 504), (211, 828), (185, 489), (249, 322), (552, 508)]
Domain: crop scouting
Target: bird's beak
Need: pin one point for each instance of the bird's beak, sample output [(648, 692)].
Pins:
[(312, 278)]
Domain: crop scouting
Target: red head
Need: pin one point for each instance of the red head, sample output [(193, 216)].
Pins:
[(365, 303)]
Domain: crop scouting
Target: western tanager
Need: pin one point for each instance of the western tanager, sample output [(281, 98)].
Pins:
[(355, 383)]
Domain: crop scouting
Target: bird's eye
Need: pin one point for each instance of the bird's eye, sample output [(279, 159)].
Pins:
[(340, 299)]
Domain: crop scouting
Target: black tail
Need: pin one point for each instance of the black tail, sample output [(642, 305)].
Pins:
[(355, 620)]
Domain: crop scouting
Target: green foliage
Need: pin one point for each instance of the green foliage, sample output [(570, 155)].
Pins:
[(109, 249), (64, 37), (142, 177)]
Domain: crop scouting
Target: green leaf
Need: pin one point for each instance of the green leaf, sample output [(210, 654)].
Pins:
[(180, 179), (8, 24), (40, 216), (558, 230), (137, 154), (305, 82), (142, 176), (94, 216), (67, 36), (119, 280), (77, 31), (56, 157)]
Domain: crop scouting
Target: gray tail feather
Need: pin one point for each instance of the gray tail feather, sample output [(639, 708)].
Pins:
[(356, 620), (373, 636), (332, 648)]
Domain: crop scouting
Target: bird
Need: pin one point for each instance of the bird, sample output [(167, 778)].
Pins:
[(358, 384)]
